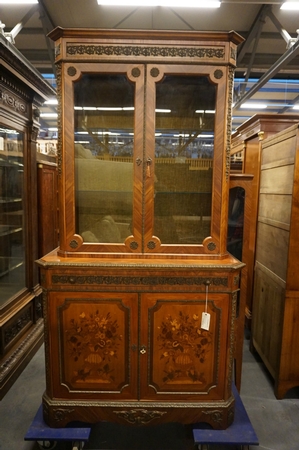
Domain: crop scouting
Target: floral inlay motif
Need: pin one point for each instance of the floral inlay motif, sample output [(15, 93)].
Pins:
[(184, 347), (93, 341)]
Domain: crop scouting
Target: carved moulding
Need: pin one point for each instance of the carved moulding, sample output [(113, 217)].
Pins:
[(59, 413), (153, 52)]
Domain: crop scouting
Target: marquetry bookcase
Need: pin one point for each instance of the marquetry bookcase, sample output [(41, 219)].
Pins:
[(143, 176)]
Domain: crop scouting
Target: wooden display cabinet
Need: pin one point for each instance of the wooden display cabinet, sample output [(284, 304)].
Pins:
[(143, 163), (275, 333), (22, 92), (246, 159)]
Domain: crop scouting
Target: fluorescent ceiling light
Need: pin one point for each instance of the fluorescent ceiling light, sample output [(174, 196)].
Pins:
[(52, 101), (296, 107), (290, 6), (254, 106), (169, 3), (18, 2), (207, 111), (49, 115)]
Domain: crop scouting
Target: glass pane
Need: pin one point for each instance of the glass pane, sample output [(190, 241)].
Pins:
[(185, 111), (236, 221), (104, 120), (12, 250)]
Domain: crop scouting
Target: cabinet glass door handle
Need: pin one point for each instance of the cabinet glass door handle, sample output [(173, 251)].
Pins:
[(142, 349)]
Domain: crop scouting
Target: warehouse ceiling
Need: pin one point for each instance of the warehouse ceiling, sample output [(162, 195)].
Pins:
[(268, 62)]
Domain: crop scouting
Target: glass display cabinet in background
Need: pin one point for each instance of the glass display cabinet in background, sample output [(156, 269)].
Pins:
[(140, 297), (22, 92)]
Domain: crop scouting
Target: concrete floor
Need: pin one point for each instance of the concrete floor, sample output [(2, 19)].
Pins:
[(276, 422)]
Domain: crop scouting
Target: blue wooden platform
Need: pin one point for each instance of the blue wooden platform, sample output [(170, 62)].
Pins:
[(240, 432)]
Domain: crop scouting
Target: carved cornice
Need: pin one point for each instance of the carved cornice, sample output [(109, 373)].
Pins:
[(14, 59), (138, 51)]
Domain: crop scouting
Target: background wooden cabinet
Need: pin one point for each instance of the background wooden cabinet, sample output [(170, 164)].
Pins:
[(47, 192), (23, 91), (275, 303), (246, 148)]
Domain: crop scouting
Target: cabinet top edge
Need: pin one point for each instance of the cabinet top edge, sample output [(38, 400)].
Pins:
[(134, 34), (228, 263)]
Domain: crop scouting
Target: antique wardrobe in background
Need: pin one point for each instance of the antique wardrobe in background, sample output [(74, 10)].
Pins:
[(140, 297), (22, 92)]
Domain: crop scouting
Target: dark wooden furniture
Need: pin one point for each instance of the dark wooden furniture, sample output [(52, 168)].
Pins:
[(22, 92), (246, 159), (144, 153), (47, 201), (239, 220), (275, 334)]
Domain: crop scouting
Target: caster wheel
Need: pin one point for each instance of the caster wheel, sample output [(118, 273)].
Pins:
[(49, 445)]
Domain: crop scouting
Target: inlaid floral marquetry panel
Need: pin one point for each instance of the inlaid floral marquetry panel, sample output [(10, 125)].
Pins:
[(185, 356), (94, 341)]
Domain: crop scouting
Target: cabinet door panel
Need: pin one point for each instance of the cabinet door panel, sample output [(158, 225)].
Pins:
[(95, 333), (182, 356)]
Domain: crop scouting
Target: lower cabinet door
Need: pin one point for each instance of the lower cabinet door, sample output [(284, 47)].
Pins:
[(92, 337), (178, 355)]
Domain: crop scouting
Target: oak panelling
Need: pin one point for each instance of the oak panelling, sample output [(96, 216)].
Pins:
[(267, 336), (272, 248), (277, 180), (275, 210), (250, 136), (276, 298)]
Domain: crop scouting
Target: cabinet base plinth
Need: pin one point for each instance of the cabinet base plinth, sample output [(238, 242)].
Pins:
[(219, 415)]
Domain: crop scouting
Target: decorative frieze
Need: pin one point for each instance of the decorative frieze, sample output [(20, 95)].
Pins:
[(135, 281), (200, 52)]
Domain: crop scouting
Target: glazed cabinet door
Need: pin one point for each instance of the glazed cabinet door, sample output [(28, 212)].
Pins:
[(93, 350), (140, 143), (179, 358)]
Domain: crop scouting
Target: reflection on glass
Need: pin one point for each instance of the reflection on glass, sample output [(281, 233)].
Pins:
[(104, 139), (184, 150), (236, 221), (12, 253)]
